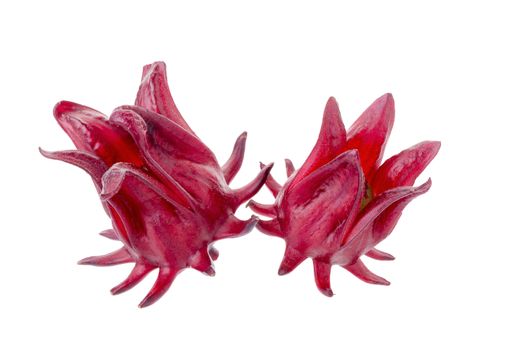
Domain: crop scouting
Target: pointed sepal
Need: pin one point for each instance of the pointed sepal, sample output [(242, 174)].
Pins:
[(91, 164), (234, 227), (110, 233), (359, 270), (244, 193), (161, 286), (120, 256), (233, 164), (322, 277), (271, 183), (140, 270), (262, 209), (379, 255), (202, 262), (290, 168), (292, 258), (270, 228)]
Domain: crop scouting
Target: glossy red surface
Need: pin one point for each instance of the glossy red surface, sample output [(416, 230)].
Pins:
[(162, 187), (342, 202)]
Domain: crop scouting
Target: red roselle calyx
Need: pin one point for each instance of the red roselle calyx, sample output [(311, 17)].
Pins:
[(342, 202), (162, 187)]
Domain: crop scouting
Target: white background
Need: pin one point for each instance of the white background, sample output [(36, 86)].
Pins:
[(456, 70)]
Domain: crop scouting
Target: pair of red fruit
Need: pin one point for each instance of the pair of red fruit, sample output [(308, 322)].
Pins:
[(169, 199)]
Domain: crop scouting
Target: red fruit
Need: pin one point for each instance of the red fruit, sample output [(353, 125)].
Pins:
[(166, 195), (342, 202)]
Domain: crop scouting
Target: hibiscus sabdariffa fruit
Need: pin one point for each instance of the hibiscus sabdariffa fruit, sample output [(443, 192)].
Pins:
[(162, 187), (342, 202)]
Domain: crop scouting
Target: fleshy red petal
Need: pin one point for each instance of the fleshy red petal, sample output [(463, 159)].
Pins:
[(322, 202), (115, 177), (404, 168), (362, 237), (91, 131), (154, 94), (385, 223), (155, 133), (172, 153), (370, 132), (329, 144), (147, 209), (160, 230)]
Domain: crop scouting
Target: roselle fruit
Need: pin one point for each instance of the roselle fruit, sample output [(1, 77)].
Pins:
[(162, 187), (342, 201)]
